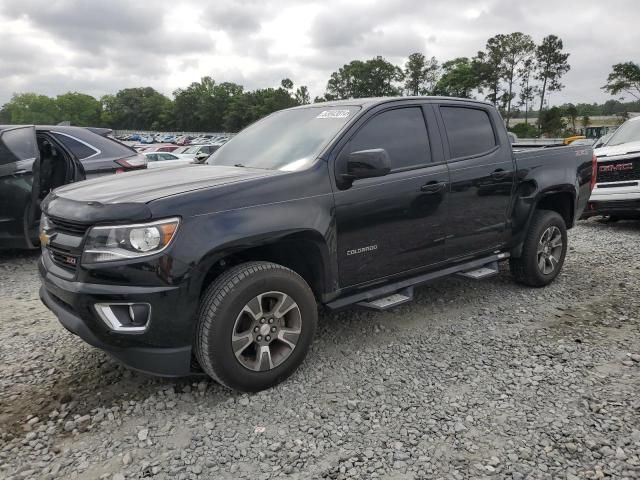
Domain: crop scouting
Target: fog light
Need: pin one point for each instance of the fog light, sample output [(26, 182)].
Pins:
[(125, 317)]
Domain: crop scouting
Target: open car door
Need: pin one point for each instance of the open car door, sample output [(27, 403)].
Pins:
[(19, 157), (55, 167)]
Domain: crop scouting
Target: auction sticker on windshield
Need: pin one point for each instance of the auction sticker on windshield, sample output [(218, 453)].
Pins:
[(334, 114)]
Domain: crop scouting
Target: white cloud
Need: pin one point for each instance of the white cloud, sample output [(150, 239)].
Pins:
[(99, 47)]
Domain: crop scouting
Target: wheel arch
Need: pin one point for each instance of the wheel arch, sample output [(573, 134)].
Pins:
[(305, 252), (561, 200)]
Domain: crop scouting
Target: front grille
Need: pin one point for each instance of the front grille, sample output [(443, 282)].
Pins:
[(618, 170), (68, 227), (64, 259)]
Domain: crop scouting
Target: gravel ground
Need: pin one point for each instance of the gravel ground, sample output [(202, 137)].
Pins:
[(471, 380)]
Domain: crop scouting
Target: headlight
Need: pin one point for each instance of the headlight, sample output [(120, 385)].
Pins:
[(120, 242)]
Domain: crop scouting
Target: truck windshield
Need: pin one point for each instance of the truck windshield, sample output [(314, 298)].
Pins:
[(628, 132), (287, 140)]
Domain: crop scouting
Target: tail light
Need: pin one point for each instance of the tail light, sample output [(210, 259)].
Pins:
[(594, 171), (130, 163)]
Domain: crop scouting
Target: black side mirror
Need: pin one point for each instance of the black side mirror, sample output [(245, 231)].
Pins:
[(366, 164)]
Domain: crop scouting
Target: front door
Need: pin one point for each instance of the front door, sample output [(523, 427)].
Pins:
[(482, 179), (18, 154), (392, 224)]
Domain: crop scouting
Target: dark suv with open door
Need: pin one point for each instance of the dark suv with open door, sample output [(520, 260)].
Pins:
[(34, 160)]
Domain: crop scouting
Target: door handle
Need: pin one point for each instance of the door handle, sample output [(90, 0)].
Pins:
[(433, 187), (499, 174)]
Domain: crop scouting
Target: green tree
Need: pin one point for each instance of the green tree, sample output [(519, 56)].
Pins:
[(524, 130), (79, 109), (138, 108), (572, 112), (459, 78), (551, 65), (371, 78), (302, 95), (527, 90), (586, 121), (625, 77), (5, 115), (31, 108), (421, 74), (552, 123), (517, 49), (251, 106), (489, 67), (286, 83), (202, 105)]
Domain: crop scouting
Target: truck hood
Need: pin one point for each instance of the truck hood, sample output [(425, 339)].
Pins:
[(616, 150), (147, 185)]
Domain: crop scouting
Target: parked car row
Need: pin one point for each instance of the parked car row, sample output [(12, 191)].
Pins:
[(161, 138)]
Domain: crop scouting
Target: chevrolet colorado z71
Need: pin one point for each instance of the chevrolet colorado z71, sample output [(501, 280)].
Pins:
[(220, 267)]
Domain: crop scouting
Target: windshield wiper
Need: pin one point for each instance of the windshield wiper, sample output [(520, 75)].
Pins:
[(239, 165)]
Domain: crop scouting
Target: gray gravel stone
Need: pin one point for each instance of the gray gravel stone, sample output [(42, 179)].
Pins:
[(472, 380)]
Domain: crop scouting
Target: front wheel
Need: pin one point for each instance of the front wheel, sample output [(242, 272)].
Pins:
[(543, 252), (255, 325)]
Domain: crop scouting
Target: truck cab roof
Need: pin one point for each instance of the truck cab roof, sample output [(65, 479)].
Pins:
[(371, 102)]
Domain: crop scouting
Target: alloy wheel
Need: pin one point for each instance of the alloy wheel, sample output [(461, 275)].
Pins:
[(549, 250), (266, 331)]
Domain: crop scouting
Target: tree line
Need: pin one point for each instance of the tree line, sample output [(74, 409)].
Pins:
[(512, 71)]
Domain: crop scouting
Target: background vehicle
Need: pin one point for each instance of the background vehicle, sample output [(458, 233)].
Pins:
[(341, 203), (199, 153), (165, 159), (597, 131), (617, 191), (64, 155), (587, 142)]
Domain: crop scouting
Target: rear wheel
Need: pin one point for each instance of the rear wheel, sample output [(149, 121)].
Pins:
[(543, 252), (256, 323)]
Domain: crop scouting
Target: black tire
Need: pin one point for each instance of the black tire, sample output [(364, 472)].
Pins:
[(526, 269), (30, 229), (221, 308)]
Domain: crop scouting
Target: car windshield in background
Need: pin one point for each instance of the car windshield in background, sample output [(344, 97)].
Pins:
[(191, 150), (287, 140), (628, 132)]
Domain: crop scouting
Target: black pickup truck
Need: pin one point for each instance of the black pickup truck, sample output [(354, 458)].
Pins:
[(220, 267)]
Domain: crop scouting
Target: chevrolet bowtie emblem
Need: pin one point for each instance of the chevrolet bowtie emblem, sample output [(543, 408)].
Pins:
[(45, 238)]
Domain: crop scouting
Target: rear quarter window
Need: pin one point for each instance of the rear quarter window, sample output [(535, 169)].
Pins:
[(79, 149), (469, 131)]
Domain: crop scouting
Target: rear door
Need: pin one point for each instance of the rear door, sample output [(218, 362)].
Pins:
[(392, 224), (482, 178), (18, 157)]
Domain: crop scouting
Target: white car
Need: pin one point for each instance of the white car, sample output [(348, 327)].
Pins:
[(198, 153), (617, 190), (165, 159)]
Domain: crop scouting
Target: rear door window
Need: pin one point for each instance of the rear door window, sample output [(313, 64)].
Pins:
[(18, 144), (402, 132), (469, 131)]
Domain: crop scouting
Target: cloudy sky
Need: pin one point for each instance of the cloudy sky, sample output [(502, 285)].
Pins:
[(98, 47)]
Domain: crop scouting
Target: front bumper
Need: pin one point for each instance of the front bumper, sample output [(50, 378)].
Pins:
[(164, 349)]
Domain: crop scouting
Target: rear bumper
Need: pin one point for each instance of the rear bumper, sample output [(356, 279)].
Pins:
[(613, 207), (163, 350)]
